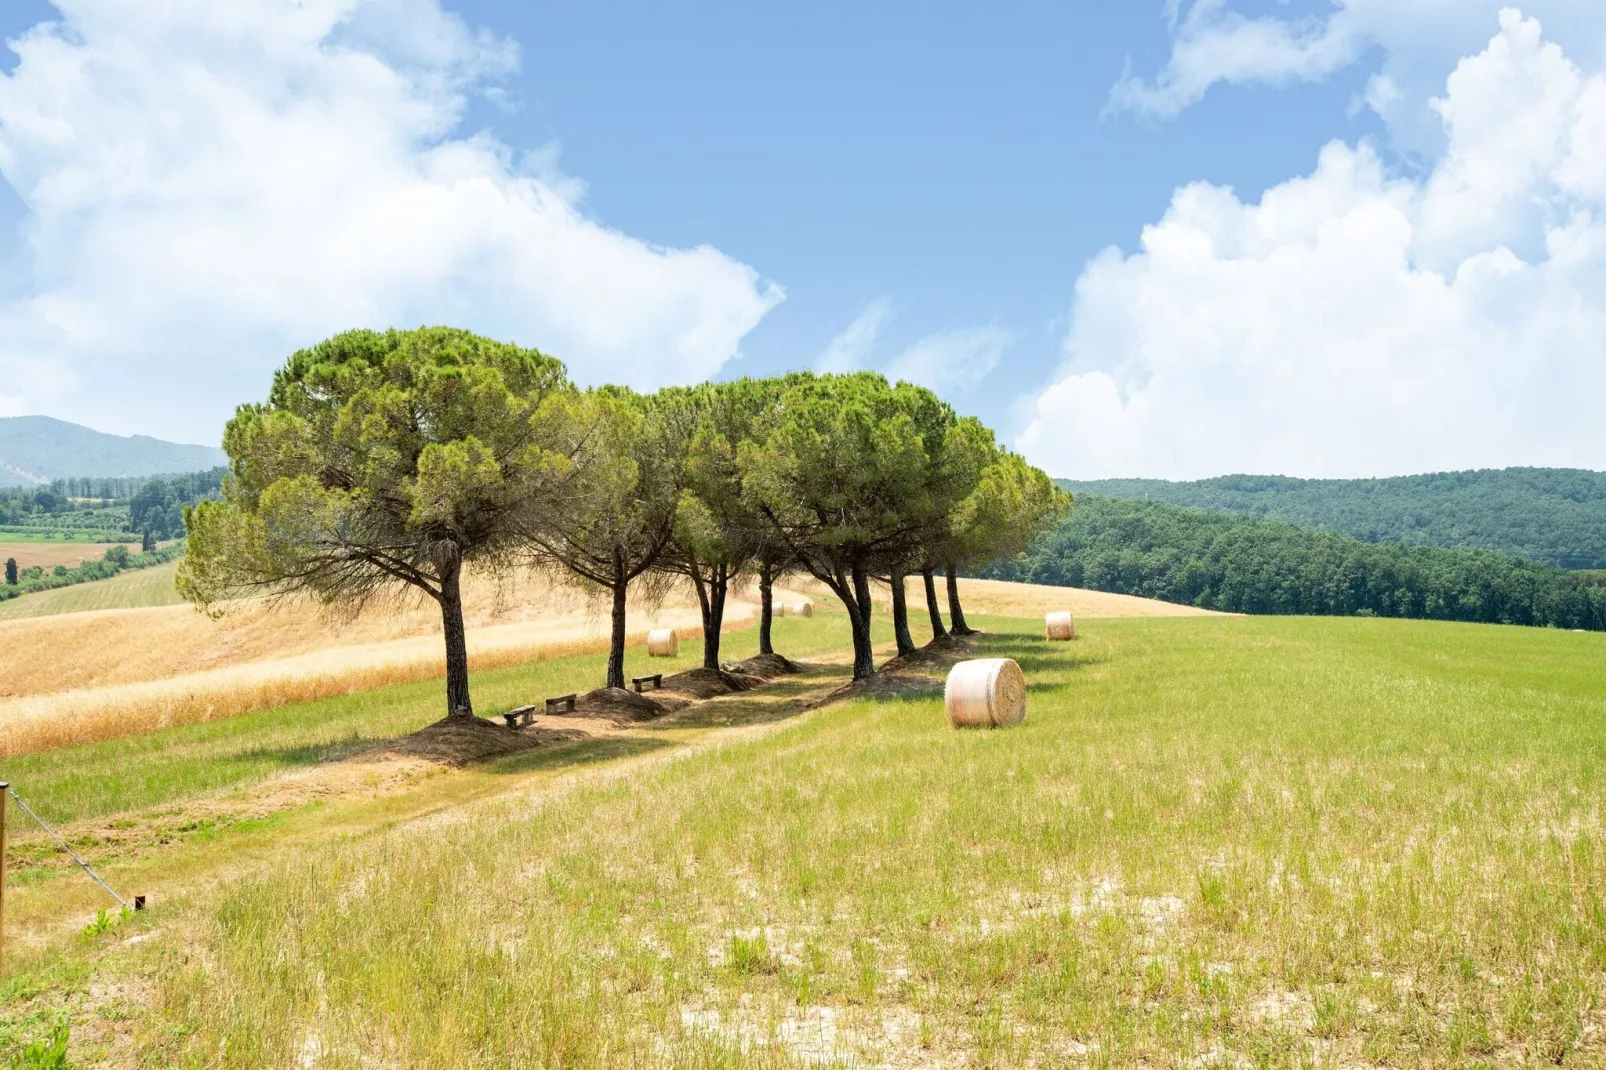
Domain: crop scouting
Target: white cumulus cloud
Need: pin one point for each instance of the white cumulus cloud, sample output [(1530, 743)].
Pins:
[(1213, 43), (209, 186), (1356, 322)]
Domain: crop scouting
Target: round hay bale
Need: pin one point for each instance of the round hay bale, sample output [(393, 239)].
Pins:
[(663, 643), (986, 693), (1060, 627), (779, 610), (803, 609)]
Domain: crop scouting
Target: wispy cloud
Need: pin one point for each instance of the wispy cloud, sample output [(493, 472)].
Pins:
[(851, 350), (952, 361)]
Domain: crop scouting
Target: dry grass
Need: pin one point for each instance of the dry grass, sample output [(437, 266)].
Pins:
[(51, 554)]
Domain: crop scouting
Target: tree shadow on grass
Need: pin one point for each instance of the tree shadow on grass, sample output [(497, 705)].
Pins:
[(778, 699), (575, 754)]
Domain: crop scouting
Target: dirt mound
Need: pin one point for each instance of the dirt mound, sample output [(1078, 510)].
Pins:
[(764, 666), (459, 741), (885, 685), (709, 683), (936, 656), (617, 704)]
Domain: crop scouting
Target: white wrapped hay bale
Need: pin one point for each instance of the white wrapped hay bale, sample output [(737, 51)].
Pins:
[(663, 643), (803, 609), (1060, 627), (778, 610), (986, 693)]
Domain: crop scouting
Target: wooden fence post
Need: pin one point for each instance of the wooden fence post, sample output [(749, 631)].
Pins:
[(5, 796)]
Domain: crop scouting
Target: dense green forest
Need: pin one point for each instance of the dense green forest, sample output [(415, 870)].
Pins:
[(1252, 565), (118, 509), (1553, 515)]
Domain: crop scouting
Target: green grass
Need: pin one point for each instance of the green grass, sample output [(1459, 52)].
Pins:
[(127, 590), (101, 779), (1266, 842)]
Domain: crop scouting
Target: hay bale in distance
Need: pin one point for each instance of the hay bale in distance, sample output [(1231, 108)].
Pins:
[(1060, 627), (778, 610), (803, 609), (663, 643), (985, 693)]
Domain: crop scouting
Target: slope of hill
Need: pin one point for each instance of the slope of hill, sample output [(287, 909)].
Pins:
[(37, 449), (1553, 515), (1247, 564)]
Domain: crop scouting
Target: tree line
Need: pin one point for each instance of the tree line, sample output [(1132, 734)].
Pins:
[(386, 461), (1245, 564), (110, 508), (1556, 516)]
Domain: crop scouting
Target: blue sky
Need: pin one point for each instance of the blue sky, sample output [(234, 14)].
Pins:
[(663, 193)]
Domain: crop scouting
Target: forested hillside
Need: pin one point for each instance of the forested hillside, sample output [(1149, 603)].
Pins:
[(1249, 564), (1553, 515)]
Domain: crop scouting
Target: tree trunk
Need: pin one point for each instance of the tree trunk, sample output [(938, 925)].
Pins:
[(714, 617), (705, 605), (616, 649), (859, 612), (937, 630), (457, 699), (900, 615), (766, 613), (956, 612)]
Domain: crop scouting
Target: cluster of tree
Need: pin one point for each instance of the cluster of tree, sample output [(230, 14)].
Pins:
[(382, 461), (156, 507), (1553, 515), (110, 509), (21, 581), (1250, 565)]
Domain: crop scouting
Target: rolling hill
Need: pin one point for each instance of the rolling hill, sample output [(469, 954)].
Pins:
[(37, 449), (1556, 516)]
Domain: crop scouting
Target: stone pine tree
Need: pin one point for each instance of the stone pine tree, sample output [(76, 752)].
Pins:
[(954, 451), (632, 487), (838, 474), (385, 462), (718, 534), (1012, 504)]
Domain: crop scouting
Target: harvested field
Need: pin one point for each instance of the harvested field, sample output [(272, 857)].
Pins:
[(49, 554)]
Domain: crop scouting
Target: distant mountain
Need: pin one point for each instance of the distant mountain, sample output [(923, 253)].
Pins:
[(37, 449), (1552, 515)]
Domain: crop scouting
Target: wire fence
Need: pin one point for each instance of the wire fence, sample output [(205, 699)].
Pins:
[(139, 900)]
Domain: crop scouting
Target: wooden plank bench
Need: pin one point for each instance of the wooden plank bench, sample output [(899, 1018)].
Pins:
[(566, 701), (520, 716), (656, 679)]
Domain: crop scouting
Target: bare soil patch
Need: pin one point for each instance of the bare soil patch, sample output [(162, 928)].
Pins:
[(702, 684), (462, 741), (765, 667)]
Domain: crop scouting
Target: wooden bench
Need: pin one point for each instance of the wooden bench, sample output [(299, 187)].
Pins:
[(520, 716), (656, 679), (566, 701)]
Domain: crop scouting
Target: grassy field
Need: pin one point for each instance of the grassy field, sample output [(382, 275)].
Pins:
[(127, 590), (1215, 842), (48, 553)]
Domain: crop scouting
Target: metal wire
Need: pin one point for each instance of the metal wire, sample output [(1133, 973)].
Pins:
[(74, 854)]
